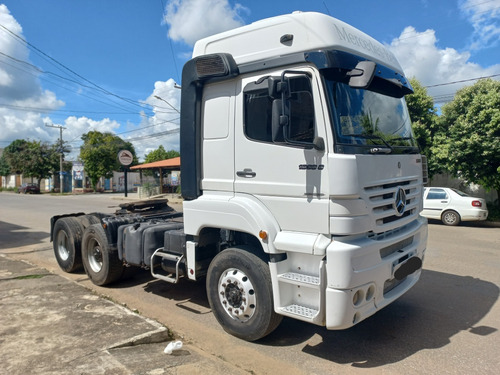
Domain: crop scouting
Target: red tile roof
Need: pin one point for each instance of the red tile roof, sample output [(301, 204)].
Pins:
[(168, 163)]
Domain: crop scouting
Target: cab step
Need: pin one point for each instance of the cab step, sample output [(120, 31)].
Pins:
[(177, 258), (301, 311), (300, 279)]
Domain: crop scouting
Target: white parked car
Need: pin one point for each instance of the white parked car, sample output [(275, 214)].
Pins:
[(452, 206)]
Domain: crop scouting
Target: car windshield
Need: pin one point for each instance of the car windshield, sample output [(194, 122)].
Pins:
[(366, 121)]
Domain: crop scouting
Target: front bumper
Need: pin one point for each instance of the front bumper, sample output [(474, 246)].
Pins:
[(365, 274)]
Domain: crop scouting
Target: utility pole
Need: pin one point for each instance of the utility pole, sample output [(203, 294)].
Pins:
[(61, 155)]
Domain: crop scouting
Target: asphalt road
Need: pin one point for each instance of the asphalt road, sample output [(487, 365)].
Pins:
[(447, 324)]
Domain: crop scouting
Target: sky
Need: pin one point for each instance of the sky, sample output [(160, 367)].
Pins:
[(115, 65)]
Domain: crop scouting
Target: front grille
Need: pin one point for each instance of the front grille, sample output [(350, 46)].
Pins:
[(389, 250), (382, 197)]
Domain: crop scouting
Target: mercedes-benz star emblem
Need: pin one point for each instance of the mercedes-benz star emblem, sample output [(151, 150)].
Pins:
[(400, 201)]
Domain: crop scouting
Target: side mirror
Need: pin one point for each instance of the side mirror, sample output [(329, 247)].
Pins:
[(362, 75), (279, 120), (319, 144), (277, 87)]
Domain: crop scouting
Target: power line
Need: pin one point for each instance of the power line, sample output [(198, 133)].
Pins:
[(59, 64), (461, 81), (159, 134)]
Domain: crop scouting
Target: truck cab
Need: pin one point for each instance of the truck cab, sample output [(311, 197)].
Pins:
[(295, 132)]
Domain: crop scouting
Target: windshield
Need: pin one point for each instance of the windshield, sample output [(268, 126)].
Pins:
[(366, 121)]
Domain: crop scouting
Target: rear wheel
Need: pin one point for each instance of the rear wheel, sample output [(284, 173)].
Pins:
[(240, 294), (450, 218), (67, 240), (101, 265)]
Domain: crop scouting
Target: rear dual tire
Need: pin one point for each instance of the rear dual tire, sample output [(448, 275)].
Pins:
[(67, 240), (101, 264)]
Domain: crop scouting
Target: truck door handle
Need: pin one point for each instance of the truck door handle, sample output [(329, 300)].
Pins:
[(246, 173)]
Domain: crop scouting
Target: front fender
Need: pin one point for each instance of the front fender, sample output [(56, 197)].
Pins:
[(239, 212)]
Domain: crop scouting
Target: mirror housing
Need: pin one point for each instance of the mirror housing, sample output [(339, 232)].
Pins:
[(319, 144), (362, 75), (279, 121)]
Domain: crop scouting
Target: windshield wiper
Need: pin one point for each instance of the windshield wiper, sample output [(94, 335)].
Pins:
[(374, 150), (409, 149)]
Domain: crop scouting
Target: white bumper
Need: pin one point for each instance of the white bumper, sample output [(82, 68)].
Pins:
[(362, 273)]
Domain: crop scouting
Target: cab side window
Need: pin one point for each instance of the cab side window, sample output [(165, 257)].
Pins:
[(258, 115), (258, 111), (301, 111)]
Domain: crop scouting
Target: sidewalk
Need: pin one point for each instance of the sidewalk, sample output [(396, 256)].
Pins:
[(51, 325)]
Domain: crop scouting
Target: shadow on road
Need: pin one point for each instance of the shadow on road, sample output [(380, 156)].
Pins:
[(470, 224), (437, 308), (191, 296), (13, 236)]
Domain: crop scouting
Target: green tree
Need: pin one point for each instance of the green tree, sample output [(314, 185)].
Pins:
[(424, 123), (99, 154), (41, 160), (470, 148), (14, 155), (4, 166), (160, 154), (31, 158)]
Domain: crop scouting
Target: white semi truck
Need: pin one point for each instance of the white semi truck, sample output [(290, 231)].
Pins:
[(302, 182)]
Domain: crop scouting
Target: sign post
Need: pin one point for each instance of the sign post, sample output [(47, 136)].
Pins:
[(125, 158)]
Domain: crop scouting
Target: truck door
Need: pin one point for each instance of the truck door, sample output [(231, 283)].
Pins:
[(289, 178)]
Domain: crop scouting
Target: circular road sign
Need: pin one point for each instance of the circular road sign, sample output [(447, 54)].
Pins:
[(125, 157)]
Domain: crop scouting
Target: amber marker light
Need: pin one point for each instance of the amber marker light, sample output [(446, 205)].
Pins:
[(263, 235)]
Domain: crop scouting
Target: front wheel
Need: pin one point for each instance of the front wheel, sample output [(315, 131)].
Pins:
[(240, 294), (101, 265), (450, 218)]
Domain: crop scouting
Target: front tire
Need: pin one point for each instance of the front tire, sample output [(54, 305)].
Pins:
[(450, 218), (240, 294), (101, 264)]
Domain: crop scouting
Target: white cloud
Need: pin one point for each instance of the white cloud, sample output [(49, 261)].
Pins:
[(190, 20), (25, 107), (75, 127), (420, 57), (20, 88), (162, 127), (485, 19)]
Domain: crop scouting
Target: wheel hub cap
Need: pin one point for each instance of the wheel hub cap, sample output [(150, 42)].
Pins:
[(237, 294), (95, 258), (62, 247)]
